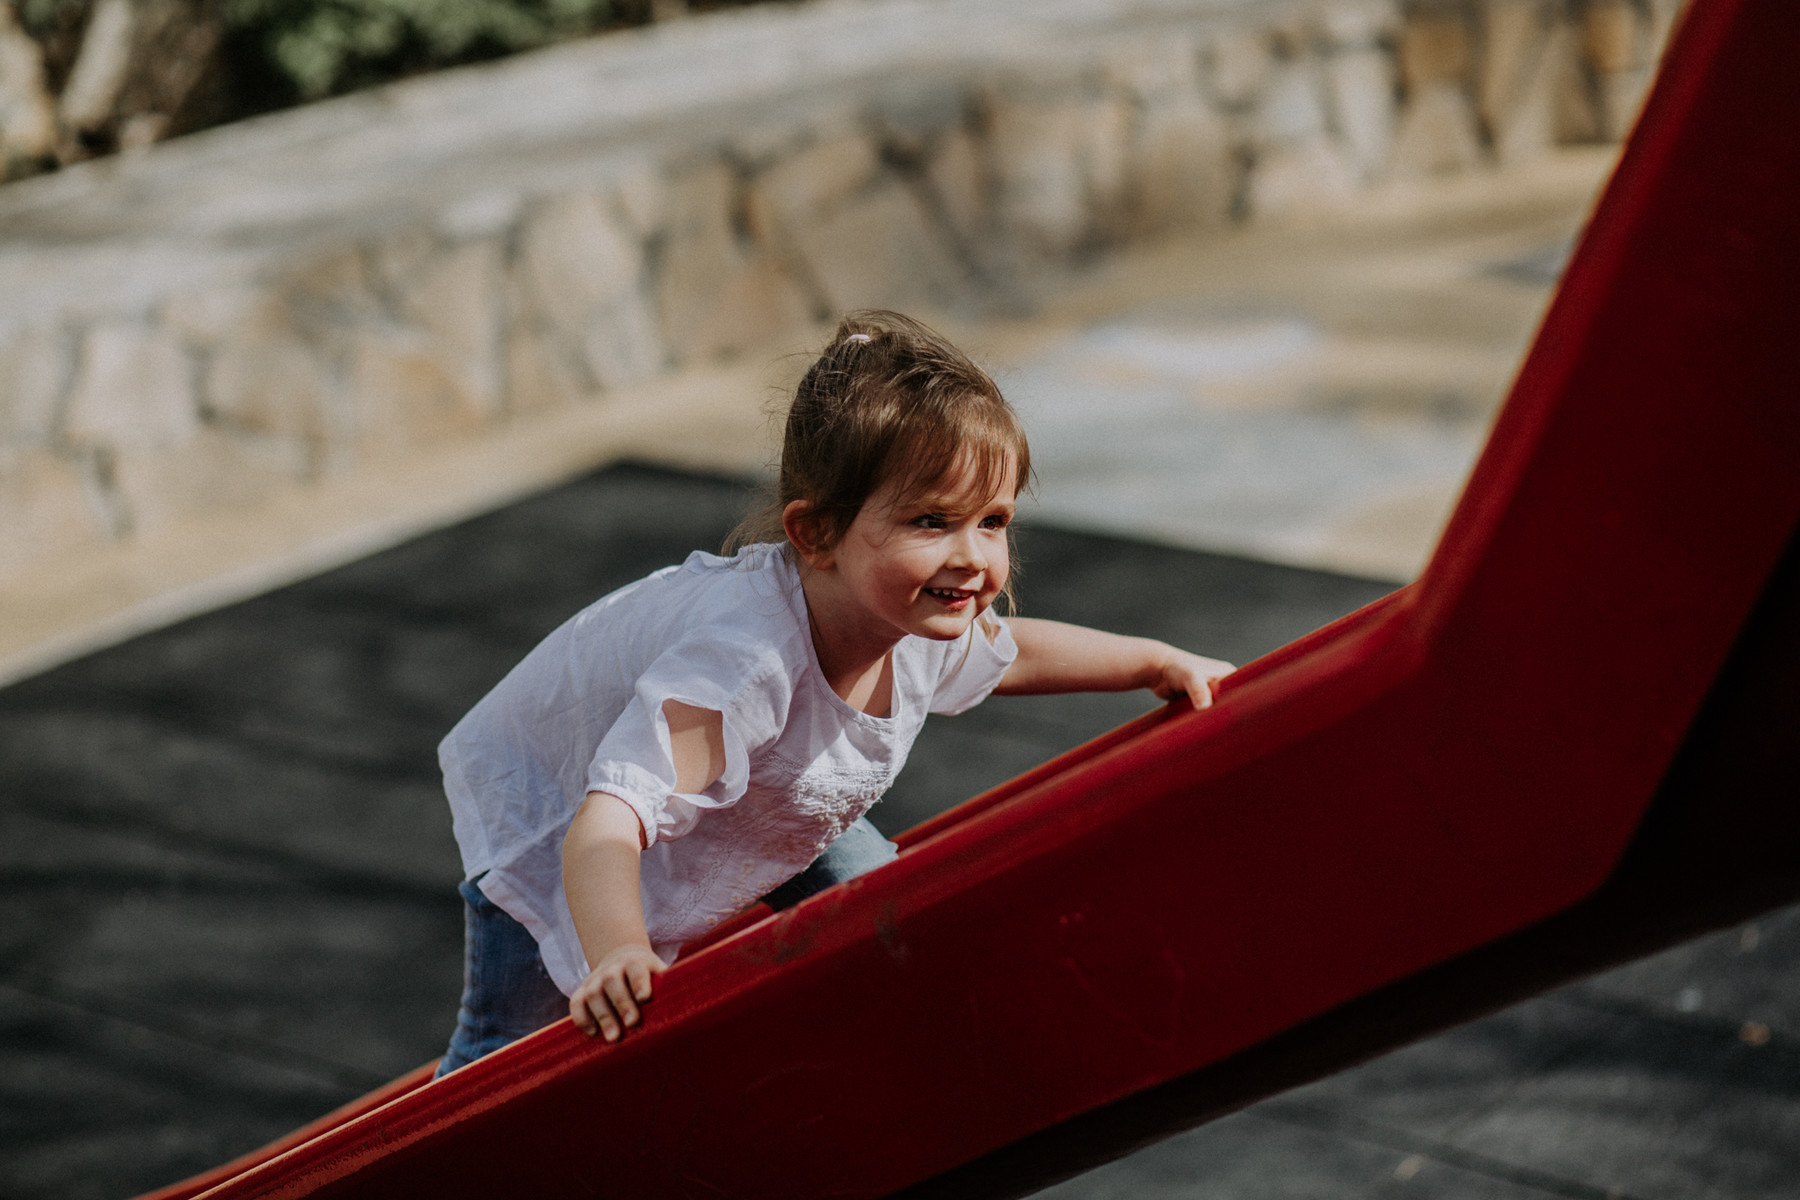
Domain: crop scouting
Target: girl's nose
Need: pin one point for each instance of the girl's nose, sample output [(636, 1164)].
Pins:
[(966, 552)]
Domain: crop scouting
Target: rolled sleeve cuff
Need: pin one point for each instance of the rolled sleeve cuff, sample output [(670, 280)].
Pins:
[(664, 815)]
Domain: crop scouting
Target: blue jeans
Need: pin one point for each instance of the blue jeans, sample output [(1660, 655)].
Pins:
[(507, 993)]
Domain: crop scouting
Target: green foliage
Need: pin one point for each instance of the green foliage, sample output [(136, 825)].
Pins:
[(39, 14), (323, 47), (270, 54)]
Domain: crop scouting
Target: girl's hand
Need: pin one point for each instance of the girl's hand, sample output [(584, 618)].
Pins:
[(1181, 673), (607, 1002)]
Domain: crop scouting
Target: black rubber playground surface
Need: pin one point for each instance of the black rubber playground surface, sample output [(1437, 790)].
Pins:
[(227, 887)]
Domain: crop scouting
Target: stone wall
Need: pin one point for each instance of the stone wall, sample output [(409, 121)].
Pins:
[(304, 297)]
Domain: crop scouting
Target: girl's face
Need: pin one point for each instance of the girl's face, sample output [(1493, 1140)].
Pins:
[(927, 566)]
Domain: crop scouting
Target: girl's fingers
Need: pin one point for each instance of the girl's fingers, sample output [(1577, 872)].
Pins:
[(1199, 678), (1182, 683), (590, 1010), (606, 1004), (618, 994), (584, 1013), (600, 1005)]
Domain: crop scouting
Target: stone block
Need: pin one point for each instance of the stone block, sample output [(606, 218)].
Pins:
[(205, 316), (400, 393), (1618, 97), (1181, 171), (1434, 49), (1299, 179), (573, 258), (1106, 163), (265, 377), (133, 387), (49, 506), (1293, 107), (1614, 36), (489, 213), (1237, 64), (1059, 169), (1514, 38), (700, 250), (622, 344), (1360, 84), (720, 292), (27, 114), (758, 305), (542, 375), (33, 370), (958, 178), (213, 471), (1038, 192), (1575, 100), (397, 260), (1184, 170), (879, 251), (456, 297), (913, 118), (1289, 35), (815, 180), (773, 138), (1154, 73), (1664, 14), (1357, 25), (1436, 134), (639, 193), (583, 274), (1523, 124), (334, 289)]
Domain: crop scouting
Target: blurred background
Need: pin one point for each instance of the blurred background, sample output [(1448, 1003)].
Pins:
[(1310, 237), (347, 346)]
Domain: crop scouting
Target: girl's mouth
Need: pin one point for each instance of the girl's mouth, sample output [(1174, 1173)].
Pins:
[(950, 595)]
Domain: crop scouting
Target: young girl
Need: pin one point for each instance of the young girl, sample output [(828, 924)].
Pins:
[(692, 742)]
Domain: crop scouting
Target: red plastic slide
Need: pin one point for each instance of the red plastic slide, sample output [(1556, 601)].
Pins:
[(1093, 953)]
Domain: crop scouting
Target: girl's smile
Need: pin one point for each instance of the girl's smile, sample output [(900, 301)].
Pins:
[(954, 598)]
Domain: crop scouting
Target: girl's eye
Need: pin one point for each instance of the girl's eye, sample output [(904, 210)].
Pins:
[(930, 521), (994, 521)]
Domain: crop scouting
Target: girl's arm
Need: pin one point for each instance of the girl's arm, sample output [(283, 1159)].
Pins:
[(600, 877), (1054, 657)]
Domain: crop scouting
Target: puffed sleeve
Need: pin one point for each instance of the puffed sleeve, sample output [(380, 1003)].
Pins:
[(634, 761), (973, 664)]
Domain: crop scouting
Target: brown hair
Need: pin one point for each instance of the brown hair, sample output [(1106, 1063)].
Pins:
[(887, 399)]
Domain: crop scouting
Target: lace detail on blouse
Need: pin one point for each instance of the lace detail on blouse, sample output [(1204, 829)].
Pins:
[(787, 819)]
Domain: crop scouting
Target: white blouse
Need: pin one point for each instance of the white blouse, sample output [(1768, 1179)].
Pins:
[(583, 712)]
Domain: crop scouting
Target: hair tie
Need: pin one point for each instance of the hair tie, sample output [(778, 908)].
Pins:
[(857, 337)]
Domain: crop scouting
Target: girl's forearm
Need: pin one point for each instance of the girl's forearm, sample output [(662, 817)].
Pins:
[(1055, 657), (600, 876)]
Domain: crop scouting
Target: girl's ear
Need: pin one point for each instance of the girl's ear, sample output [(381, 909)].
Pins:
[(801, 524)]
